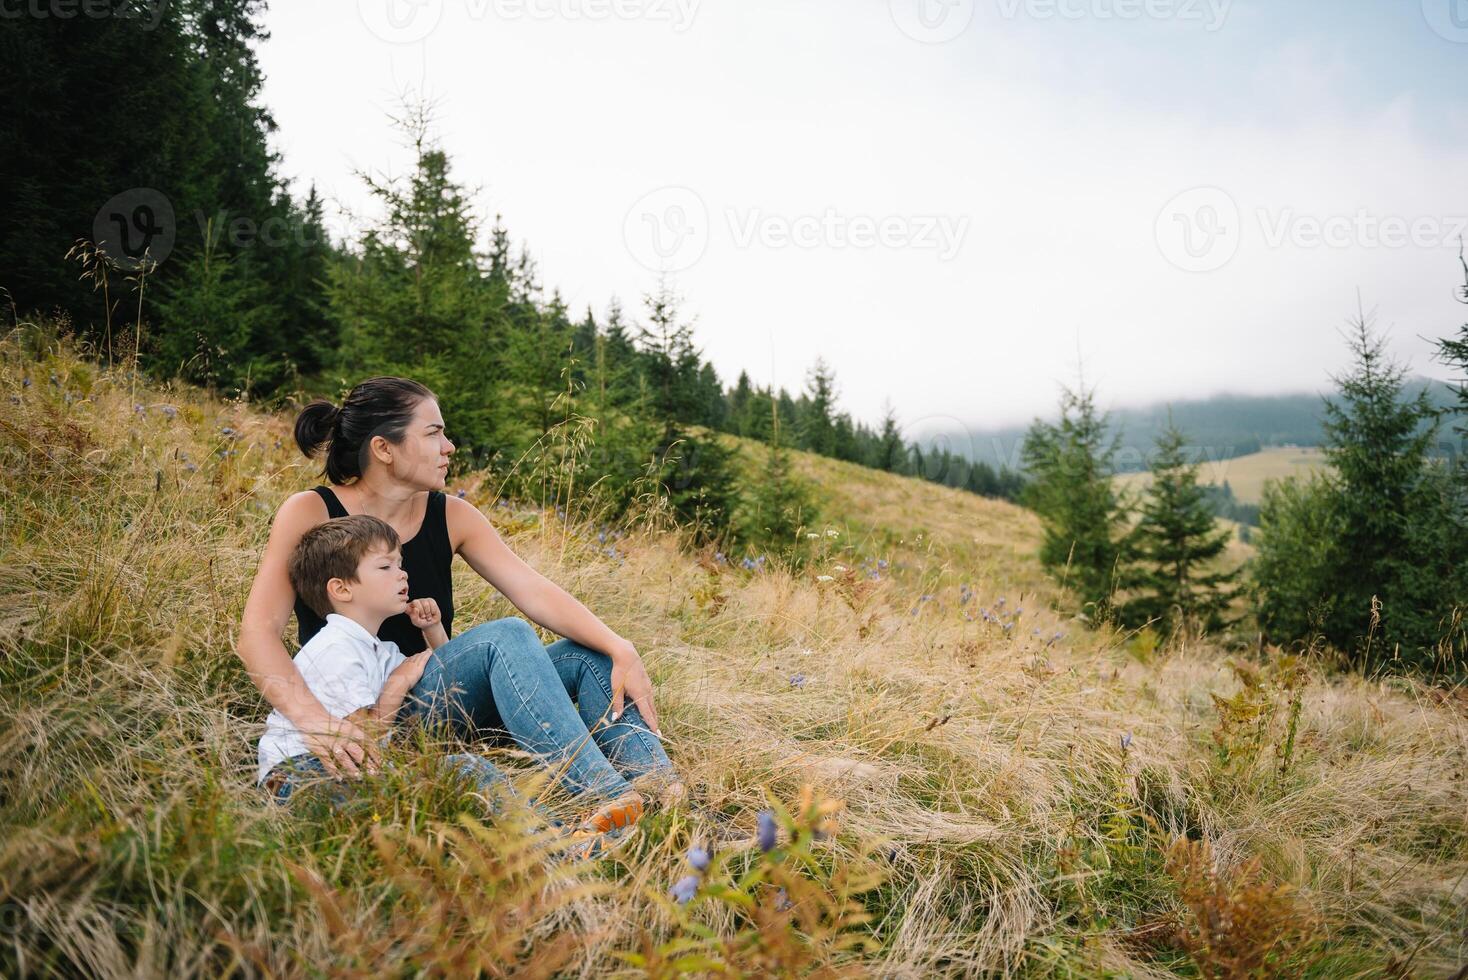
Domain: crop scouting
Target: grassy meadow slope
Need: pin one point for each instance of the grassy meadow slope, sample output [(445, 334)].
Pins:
[(1246, 475), (1016, 779)]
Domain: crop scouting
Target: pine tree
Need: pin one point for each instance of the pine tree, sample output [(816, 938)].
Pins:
[(620, 359), (844, 438), (890, 453), (669, 357), (1454, 353), (779, 505), (413, 301), (1368, 556), (739, 405), (817, 428), (1377, 444), (1175, 542), (538, 357), (211, 311), (696, 471), (713, 408), (1070, 465)]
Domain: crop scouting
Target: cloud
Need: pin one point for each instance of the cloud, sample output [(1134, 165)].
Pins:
[(1038, 139)]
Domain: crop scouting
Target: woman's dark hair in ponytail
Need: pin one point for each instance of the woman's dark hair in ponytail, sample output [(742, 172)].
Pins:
[(376, 407)]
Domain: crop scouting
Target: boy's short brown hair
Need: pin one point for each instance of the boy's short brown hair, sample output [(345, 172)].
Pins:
[(333, 550)]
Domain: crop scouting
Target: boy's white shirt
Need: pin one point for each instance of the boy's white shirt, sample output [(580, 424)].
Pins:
[(346, 668)]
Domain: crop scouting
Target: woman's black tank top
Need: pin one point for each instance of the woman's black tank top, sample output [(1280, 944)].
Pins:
[(428, 559)]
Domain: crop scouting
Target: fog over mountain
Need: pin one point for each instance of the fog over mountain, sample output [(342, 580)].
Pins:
[(1220, 427)]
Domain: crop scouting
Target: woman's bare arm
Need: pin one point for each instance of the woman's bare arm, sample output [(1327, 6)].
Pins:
[(549, 605), (338, 743)]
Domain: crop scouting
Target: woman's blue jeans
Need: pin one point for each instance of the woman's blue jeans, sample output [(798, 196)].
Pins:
[(555, 701)]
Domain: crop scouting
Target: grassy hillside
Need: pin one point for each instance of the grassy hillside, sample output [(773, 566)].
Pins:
[(1019, 791), (1246, 474)]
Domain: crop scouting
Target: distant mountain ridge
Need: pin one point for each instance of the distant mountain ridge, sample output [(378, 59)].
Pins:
[(1220, 427)]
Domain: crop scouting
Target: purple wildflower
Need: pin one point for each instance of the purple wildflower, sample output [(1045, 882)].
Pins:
[(797, 680), (1126, 741), (684, 889), (461, 495), (782, 901), (766, 831), (699, 857), (25, 382)]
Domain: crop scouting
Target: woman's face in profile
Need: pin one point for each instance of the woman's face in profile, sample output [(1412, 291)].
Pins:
[(422, 458)]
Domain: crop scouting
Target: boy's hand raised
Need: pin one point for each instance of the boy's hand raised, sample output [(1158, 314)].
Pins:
[(424, 613)]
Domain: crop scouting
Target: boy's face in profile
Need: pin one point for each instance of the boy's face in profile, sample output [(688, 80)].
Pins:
[(381, 589)]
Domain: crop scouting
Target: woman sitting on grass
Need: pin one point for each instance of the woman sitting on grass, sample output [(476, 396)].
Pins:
[(387, 456)]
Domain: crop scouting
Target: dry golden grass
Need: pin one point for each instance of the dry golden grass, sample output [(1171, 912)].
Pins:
[(1019, 794), (1246, 475)]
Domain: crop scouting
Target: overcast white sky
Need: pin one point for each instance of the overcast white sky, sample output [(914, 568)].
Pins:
[(947, 199)]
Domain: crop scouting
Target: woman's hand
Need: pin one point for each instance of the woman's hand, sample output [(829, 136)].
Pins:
[(629, 677), (342, 746), (410, 671)]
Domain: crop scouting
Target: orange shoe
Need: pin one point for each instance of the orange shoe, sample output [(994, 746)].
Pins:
[(624, 811)]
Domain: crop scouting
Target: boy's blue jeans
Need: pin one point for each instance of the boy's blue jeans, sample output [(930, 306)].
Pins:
[(300, 770), (555, 702)]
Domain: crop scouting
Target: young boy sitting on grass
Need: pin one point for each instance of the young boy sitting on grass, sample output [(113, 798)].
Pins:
[(349, 570)]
